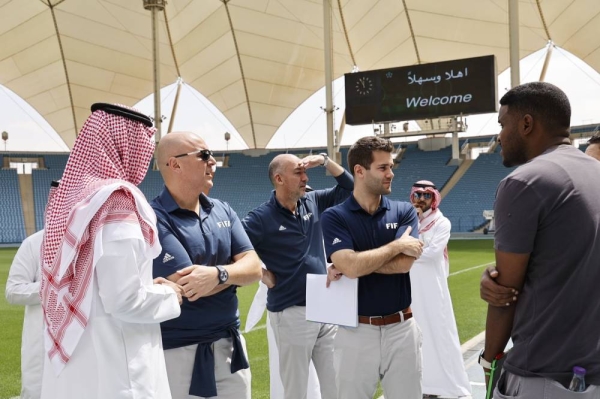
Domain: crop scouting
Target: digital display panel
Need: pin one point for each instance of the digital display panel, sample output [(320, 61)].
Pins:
[(467, 86)]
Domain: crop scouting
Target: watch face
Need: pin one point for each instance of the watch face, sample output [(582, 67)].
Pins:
[(223, 276), (364, 86)]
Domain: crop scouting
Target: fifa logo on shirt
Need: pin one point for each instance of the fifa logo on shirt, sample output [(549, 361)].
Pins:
[(391, 226), (224, 223), (307, 216)]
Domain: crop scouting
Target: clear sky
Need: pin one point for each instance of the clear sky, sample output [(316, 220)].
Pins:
[(305, 127)]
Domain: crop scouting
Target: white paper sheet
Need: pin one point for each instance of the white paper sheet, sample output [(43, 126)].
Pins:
[(337, 304)]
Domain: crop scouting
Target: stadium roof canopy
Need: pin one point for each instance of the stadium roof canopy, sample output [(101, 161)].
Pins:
[(256, 60)]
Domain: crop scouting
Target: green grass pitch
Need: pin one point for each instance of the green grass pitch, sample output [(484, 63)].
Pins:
[(467, 260)]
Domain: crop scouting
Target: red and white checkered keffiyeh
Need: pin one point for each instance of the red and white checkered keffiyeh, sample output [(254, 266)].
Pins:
[(110, 157), (434, 214)]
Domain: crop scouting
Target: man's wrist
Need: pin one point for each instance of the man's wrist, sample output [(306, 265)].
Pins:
[(487, 364), (325, 159), (222, 274)]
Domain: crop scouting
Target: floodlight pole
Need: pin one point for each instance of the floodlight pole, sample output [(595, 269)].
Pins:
[(328, 77), (156, 6), (513, 34)]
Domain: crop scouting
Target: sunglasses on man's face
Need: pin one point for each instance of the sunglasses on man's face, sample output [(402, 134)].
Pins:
[(417, 195), (202, 154)]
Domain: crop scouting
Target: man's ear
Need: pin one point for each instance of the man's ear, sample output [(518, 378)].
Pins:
[(358, 170), (278, 179), (527, 124), (173, 165)]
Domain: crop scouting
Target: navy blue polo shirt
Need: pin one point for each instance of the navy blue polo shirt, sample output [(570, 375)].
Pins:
[(211, 239), (348, 226), (291, 245)]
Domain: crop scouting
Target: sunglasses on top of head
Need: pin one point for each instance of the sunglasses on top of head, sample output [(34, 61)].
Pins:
[(417, 195), (202, 154)]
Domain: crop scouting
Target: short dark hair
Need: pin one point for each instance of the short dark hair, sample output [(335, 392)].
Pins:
[(545, 102), (595, 139), (361, 152)]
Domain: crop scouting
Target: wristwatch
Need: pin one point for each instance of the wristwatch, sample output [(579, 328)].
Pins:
[(325, 159), (223, 274), (482, 362)]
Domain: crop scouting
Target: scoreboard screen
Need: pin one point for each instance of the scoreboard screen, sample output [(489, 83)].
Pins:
[(467, 86)]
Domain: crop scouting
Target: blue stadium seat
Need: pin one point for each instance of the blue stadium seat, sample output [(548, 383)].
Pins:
[(245, 185), (421, 165), (11, 211), (474, 193)]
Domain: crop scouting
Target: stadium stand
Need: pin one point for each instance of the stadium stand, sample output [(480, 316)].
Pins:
[(244, 184), (421, 165), (474, 193), (41, 185), (56, 161), (152, 184), (11, 211)]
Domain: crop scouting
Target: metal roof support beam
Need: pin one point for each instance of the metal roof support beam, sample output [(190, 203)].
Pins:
[(513, 34), (547, 60), (175, 104), (328, 75), (156, 6)]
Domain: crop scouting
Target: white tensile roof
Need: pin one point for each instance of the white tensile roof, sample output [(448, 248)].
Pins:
[(256, 60)]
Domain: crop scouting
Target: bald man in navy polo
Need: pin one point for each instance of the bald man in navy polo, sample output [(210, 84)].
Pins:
[(286, 234)]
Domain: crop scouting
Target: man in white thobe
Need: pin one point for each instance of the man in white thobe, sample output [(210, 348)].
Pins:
[(23, 288), (102, 308), (443, 367)]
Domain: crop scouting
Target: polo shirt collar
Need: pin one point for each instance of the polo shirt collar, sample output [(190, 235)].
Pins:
[(276, 202), (170, 205), (353, 205)]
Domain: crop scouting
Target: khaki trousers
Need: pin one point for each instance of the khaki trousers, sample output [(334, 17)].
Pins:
[(299, 341), (368, 354), (180, 363)]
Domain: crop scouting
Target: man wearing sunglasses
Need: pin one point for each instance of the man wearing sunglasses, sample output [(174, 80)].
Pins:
[(207, 252), (444, 372), (286, 232)]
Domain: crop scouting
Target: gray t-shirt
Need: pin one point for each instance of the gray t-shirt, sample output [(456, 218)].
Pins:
[(550, 208)]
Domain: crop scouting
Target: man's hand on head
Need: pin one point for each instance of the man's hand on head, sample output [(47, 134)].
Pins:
[(197, 280), (494, 293), (312, 161)]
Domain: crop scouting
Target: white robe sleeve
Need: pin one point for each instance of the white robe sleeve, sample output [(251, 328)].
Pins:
[(435, 246), (23, 283), (125, 286)]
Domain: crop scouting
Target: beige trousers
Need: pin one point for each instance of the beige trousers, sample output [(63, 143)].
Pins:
[(180, 363), (299, 341), (368, 354)]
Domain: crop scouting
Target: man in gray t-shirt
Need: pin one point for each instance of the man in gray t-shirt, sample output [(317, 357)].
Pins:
[(547, 223)]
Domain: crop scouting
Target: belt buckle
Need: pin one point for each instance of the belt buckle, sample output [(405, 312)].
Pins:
[(374, 317)]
